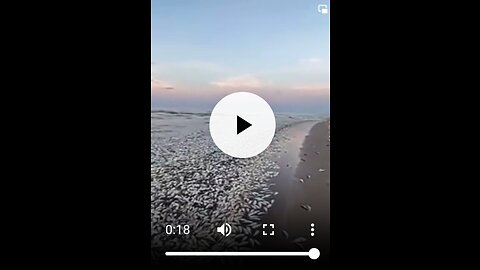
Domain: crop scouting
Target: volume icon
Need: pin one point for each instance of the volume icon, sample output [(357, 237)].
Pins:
[(225, 229)]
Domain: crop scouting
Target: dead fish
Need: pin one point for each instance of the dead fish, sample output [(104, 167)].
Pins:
[(302, 159), (308, 176), (321, 170), (300, 180), (299, 240), (238, 236), (306, 207), (244, 243), (300, 246), (256, 226)]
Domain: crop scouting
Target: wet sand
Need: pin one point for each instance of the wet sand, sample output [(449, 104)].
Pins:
[(304, 179)]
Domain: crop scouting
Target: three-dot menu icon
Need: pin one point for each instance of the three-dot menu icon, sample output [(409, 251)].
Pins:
[(312, 229)]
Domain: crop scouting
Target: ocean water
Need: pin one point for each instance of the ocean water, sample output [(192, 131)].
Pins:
[(167, 124)]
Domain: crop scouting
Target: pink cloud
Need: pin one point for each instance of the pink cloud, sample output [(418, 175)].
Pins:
[(158, 85), (318, 89), (242, 81)]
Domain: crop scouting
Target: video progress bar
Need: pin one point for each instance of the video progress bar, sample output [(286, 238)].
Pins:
[(312, 253)]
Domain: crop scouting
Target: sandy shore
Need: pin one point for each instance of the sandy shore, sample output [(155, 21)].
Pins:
[(195, 184), (303, 187)]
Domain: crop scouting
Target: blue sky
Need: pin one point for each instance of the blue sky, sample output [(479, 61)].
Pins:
[(203, 50)]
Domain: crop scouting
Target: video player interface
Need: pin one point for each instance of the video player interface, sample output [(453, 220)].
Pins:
[(240, 129)]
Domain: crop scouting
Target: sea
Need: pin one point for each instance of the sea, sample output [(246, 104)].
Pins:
[(178, 124)]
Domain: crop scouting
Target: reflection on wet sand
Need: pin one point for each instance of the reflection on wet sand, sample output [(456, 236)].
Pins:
[(303, 191)]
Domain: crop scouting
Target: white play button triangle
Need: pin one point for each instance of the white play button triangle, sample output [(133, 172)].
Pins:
[(242, 124), (231, 131)]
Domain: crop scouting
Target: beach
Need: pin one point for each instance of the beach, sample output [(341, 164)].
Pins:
[(304, 181), (193, 183)]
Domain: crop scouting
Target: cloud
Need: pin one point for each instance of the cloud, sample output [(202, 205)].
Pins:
[(242, 81), (314, 63), (192, 67), (318, 89), (157, 84), (312, 60)]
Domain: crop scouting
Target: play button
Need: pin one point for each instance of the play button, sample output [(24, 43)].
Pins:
[(242, 125)]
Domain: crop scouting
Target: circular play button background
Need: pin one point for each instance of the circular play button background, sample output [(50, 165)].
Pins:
[(242, 125)]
